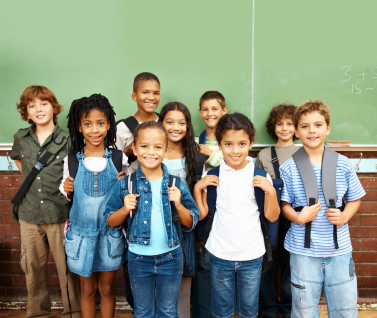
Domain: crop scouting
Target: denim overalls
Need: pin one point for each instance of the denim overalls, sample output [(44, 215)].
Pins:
[(92, 246)]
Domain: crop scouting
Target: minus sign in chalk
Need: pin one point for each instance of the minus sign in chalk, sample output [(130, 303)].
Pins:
[(369, 88)]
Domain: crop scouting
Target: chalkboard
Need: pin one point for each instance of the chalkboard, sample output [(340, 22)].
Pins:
[(301, 50)]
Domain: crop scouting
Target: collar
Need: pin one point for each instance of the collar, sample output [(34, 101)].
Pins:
[(249, 169), (140, 174)]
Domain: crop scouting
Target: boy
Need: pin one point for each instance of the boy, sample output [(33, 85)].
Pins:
[(321, 251), (42, 210), (146, 94), (280, 127), (211, 109)]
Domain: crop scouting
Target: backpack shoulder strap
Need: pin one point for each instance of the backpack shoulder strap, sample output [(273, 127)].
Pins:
[(329, 163), (212, 191), (258, 192), (73, 164), (117, 156), (203, 137), (275, 162), (200, 161), (131, 122)]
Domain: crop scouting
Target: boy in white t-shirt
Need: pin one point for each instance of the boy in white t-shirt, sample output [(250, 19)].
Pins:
[(236, 242)]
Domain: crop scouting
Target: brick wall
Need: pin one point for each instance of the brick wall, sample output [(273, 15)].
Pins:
[(363, 227)]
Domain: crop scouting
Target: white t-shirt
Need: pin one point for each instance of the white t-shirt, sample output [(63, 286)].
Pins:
[(236, 233)]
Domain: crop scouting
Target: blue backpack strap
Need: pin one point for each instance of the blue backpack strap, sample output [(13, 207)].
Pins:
[(203, 137), (117, 157)]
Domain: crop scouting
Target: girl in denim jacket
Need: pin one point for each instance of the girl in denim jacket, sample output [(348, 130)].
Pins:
[(90, 245), (154, 256)]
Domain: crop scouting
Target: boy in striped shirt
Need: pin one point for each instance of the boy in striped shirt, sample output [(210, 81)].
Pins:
[(211, 109), (321, 265)]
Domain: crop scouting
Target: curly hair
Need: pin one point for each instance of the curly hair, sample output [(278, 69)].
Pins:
[(143, 77), (83, 106), (42, 93), (150, 125), (234, 121), (190, 148), (277, 113), (312, 106), (212, 95)]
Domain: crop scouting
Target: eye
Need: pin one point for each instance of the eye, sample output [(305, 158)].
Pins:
[(304, 126), (101, 124), (319, 125), (279, 124), (157, 93), (143, 146), (158, 147), (227, 144), (30, 106), (169, 122), (242, 144), (87, 125)]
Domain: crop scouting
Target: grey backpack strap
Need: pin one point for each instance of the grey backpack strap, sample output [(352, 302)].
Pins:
[(309, 181)]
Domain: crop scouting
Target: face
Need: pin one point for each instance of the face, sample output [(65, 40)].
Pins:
[(312, 130), (235, 146), (147, 96), (94, 127), (211, 111), (150, 147), (40, 112), (284, 129), (175, 124)]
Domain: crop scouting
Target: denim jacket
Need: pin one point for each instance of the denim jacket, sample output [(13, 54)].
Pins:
[(139, 230)]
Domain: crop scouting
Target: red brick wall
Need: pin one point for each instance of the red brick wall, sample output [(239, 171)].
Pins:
[(363, 227)]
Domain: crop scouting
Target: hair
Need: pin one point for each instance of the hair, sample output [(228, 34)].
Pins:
[(150, 125), (212, 95), (34, 92), (234, 121), (143, 77), (277, 113), (309, 107), (189, 146), (83, 106)]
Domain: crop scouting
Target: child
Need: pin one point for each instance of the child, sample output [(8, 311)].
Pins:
[(146, 94), (42, 211), (320, 263), (211, 109), (90, 245), (154, 256), (280, 127), (180, 160), (236, 242)]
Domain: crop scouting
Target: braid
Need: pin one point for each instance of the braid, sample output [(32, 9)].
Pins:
[(83, 106)]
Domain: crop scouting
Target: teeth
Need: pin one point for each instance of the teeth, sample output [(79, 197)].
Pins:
[(150, 159)]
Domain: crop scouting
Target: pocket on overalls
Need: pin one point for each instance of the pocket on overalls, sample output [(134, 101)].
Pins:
[(23, 258), (116, 245), (72, 244)]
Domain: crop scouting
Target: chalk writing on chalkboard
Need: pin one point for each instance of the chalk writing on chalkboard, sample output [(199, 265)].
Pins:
[(362, 80)]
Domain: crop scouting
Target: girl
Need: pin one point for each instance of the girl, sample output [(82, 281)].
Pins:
[(154, 256), (180, 159), (236, 243), (90, 245)]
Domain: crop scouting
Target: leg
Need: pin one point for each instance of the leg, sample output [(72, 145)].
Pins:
[(340, 286), (106, 289), (168, 280), (222, 287), (34, 254), (88, 294), (306, 284), (248, 274), (285, 285), (55, 234), (184, 298), (129, 297), (142, 279)]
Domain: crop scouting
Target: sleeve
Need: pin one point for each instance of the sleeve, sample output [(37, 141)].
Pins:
[(65, 176), (258, 162), (15, 153), (197, 140), (355, 190), (123, 136), (116, 199), (189, 203), (125, 164), (287, 191), (215, 158), (204, 174), (268, 177)]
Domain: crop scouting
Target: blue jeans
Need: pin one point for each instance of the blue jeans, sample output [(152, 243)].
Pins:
[(235, 283), (336, 275), (155, 282)]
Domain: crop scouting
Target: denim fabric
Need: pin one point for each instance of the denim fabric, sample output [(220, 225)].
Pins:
[(337, 276), (235, 283), (155, 282), (90, 245), (139, 228)]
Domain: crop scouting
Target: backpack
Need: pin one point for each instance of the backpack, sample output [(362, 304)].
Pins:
[(203, 137), (309, 180), (269, 229)]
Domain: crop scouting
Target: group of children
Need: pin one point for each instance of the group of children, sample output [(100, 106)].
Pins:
[(129, 194)]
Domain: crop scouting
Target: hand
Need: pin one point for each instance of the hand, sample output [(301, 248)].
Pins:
[(205, 150), (309, 213), (68, 186), (130, 202), (128, 150), (175, 195), (336, 217), (120, 175), (264, 184), (208, 180)]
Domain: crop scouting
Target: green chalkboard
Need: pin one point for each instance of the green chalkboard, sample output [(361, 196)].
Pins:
[(301, 50)]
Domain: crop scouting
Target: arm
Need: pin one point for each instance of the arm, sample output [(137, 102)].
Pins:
[(307, 214), (18, 164), (118, 217), (66, 186), (184, 214), (200, 195), (215, 158), (271, 205), (339, 218)]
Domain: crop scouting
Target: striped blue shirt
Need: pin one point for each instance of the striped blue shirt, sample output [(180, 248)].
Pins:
[(321, 241)]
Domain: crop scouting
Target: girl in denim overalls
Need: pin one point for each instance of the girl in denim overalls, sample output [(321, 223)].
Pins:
[(154, 256), (91, 246)]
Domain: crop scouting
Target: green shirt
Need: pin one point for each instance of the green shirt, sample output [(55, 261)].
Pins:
[(42, 203), (216, 156)]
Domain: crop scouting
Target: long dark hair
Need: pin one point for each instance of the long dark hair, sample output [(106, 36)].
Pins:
[(83, 106), (190, 148)]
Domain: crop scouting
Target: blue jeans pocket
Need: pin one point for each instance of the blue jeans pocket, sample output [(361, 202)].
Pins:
[(116, 246), (72, 244)]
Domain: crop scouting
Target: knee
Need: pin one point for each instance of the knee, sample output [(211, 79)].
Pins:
[(106, 289), (88, 289)]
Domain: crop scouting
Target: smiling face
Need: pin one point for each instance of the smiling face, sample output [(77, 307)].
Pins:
[(175, 124), (235, 146), (284, 129), (211, 111), (147, 96), (94, 127), (40, 112), (312, 130)]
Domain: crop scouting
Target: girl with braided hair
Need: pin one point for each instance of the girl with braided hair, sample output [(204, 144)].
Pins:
[(91, 246)]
